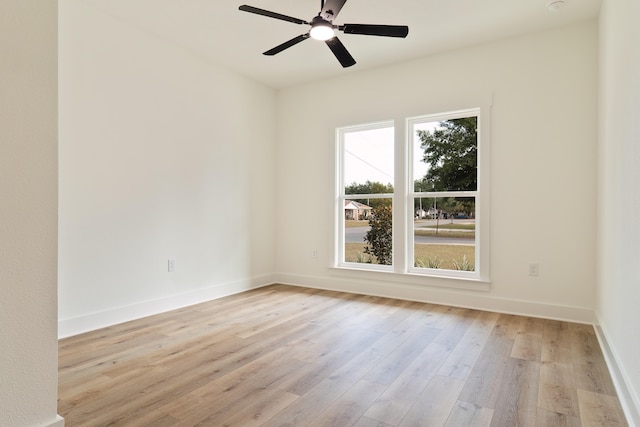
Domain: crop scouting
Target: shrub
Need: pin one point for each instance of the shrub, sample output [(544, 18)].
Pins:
[(364, 258), (464, 265), (379, 237), (429, 262)]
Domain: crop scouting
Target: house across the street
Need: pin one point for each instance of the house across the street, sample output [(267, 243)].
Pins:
[(356, 211)]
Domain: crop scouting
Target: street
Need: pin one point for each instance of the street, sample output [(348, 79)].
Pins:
[(356, 234)]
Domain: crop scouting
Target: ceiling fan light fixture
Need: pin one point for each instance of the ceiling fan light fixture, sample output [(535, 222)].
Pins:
[(322, 31)]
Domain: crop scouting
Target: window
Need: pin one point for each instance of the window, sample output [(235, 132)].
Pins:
[(444, 170), (434, 213), (366, 195)]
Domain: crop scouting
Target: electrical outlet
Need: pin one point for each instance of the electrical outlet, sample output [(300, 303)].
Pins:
[(314, 254), (171, 265), (534, 269)]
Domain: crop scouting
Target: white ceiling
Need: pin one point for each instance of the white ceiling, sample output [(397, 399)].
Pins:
[(217, 30)]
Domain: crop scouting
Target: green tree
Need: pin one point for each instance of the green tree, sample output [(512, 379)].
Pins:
[(379, 237), (451, 151), (368, 188)]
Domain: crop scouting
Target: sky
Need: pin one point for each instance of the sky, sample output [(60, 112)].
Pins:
[(369, 154)]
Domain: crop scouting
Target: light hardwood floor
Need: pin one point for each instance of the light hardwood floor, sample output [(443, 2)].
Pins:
[(288, 356)]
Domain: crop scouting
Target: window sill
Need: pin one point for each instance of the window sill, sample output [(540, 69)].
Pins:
[(450, 282)]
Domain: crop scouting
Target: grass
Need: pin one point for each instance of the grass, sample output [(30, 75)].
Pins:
[(466, 231), (455, 226), (446, 229), (446, 253), (352, 223), (446, 233)]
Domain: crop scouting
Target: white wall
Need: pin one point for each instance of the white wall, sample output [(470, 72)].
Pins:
[(162, 155), (543, 165), (28, 213), (618, 283)]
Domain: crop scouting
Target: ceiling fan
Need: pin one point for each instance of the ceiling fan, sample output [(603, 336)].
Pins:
[(322, 28)]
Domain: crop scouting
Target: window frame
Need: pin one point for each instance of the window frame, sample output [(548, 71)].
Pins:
[(412, 194), (342, 197), (403, 270)]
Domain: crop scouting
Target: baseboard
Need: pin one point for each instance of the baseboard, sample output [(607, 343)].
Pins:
[(629, 401), (437, 295), (59, 422), (102, 319)]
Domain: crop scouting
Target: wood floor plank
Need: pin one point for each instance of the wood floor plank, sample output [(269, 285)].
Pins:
[(309, 406), (439, 316), (154, 419), (281, 312), (590, 368), (356, 369), (545, 418), (485, 381), (398, 398), (206, 405), (349, 407), (528, 341), (462, 359), (469, 415), (392, 366), (556, 343), (516, 403), (368, 422), (598, 409), (352, 343), (252, 409), (460, 320), (557, 391), (435, 404), (282, 355), (130, 396), (507, 326), (269, 371)]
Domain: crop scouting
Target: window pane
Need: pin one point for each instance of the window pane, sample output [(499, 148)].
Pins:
[(444, 233), (445, 155), (368, 161), (368, 231)]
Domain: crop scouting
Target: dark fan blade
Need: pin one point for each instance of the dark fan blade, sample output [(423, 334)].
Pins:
[(287, 44), (340, 52), (376, 30), (331, 9), (270, 14)]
